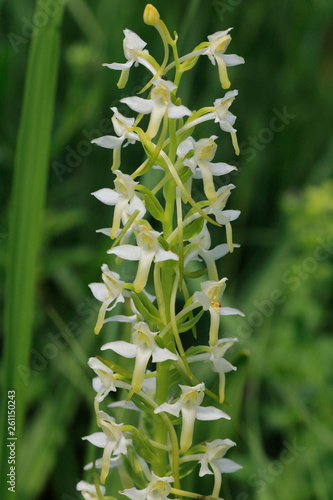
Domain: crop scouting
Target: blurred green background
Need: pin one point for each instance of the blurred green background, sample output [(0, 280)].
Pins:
[(281, 277)]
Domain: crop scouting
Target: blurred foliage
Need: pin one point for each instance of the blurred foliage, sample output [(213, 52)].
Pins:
[(281, 395)]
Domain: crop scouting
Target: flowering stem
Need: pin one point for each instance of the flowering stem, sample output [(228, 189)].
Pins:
[(159, 292), (154, 228)]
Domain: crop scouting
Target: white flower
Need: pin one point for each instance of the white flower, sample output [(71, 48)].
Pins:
[(88, 490), (189, 405), (220, 114), (158, 489), (109, 292), (211, 462), (223, 217), (135, 53), (111, 439), (218, 44), (106, 381), (200, 246), (147, 251), (143, 348), (200, 163), (215, 451), (123, 198), (209, 298), (225, 118), (123, 128), (158, 105), (215, 354)]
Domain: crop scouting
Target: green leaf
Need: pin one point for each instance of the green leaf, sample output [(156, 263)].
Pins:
[(193, 229), (185, 174), (134, 469), (153, 205), (116, 368), (28, 196), (198, 349), (186, 468), (143, 446), (146, 308), (142, 404), (188, 325)]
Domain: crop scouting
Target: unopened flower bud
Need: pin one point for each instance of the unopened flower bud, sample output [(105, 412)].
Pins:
[(151, 15)]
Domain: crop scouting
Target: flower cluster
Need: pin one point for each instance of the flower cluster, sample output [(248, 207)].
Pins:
[(166, 231)]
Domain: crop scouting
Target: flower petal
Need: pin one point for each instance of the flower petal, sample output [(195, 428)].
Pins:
[(107, 196), (97, 439), (178, 111), (120, 318), (221, 168), (217, 252), (119, 66), (162, 255), (138, 104), (173, 408), (108, 141), (233, 59), (210, 413), (145, 262), (89, 488), (225, 465), (160, 354), (99, 291), (204, 470), (221, 365), (120, 347), (229, 311), (127, 252), (135, 494), (96, 364)]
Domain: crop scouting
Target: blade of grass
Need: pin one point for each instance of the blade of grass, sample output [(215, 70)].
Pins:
[(87, 21), (28, 195)]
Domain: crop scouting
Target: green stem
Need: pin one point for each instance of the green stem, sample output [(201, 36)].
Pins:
[(159, 292), (187, 196), (175, 329), (179, 316)]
